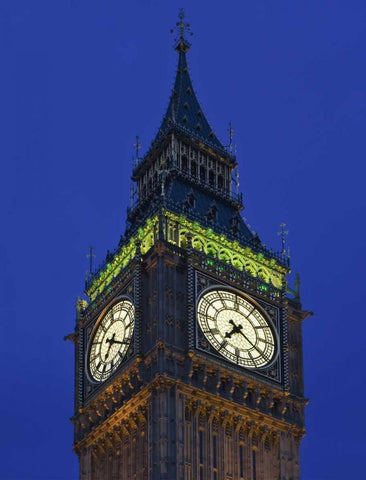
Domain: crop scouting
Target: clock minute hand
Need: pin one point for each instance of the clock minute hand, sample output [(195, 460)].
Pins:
[(252, 344), (247, 339)]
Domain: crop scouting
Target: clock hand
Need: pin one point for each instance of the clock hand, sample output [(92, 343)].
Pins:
[(235, 329), (106, 355), (110, 341), (238, 329), (124, 342), (252, 344)]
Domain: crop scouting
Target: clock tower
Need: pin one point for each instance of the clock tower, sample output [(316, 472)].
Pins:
[(188, 352)]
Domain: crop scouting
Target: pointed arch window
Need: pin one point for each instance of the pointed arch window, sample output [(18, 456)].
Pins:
[(215, 456), (194, 169), (191, 200), (203, 174), (200, 453), (211, 179), (241, 461), (254, 465), (184, 164), (212, 214), (220, 183)]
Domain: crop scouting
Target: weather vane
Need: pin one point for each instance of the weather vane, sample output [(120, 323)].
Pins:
[(90, 255), (137, 147), (283, 234), (181, 29)]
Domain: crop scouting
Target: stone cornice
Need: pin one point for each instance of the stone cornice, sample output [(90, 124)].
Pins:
[(134, 414), (129, 392)]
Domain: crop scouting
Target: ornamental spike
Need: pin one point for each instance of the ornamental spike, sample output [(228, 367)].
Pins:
[(137, 147), (90, 255), (181, 29), (283, 234)]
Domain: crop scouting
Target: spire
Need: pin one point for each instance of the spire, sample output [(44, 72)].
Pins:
[(184, 112)]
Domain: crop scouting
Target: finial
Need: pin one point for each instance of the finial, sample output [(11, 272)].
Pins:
[(181, 43), (163, 173), (90, 255), (230, 131), (232, 146), (283, 234), (297, 286), (237, 181), (137, 147), (132, 195)]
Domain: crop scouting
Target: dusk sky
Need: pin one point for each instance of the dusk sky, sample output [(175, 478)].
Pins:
[(79, 80)]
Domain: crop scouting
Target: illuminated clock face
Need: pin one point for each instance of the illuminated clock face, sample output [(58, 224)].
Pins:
[(236, 329), (110, 342)]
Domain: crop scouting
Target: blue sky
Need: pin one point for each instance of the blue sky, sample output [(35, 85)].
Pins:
[(79, 80)]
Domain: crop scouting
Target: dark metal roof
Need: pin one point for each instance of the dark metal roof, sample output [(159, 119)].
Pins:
[(176, 197), (184, 111)]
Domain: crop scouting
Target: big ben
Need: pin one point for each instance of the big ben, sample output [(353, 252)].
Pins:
[(188, 351)]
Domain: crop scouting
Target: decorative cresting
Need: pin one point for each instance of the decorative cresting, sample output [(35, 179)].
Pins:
[(228, 251), (176, 228), (146, 236)]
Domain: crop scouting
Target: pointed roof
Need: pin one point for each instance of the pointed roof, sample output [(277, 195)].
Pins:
[(184, 112)]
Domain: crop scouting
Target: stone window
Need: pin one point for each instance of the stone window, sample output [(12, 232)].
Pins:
[(220, 182), (203, 174)]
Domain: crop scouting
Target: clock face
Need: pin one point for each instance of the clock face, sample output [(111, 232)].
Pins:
[(236, 328), (110, 342)]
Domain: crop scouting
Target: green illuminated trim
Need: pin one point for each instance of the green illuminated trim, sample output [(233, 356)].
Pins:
[(176, 228), (218, 246), (146, 235)]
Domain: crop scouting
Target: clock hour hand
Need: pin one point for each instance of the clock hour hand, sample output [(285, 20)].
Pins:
[(124, 342), (235, 329), (111, 341)]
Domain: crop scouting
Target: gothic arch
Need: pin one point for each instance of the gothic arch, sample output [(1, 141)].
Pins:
[(264, 274), (198, 243), (237, 262), (211, 249), (250, 267), (225, 255), (183, 238)]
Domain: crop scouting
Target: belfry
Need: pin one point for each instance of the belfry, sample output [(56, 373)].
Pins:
[(188, 351)]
